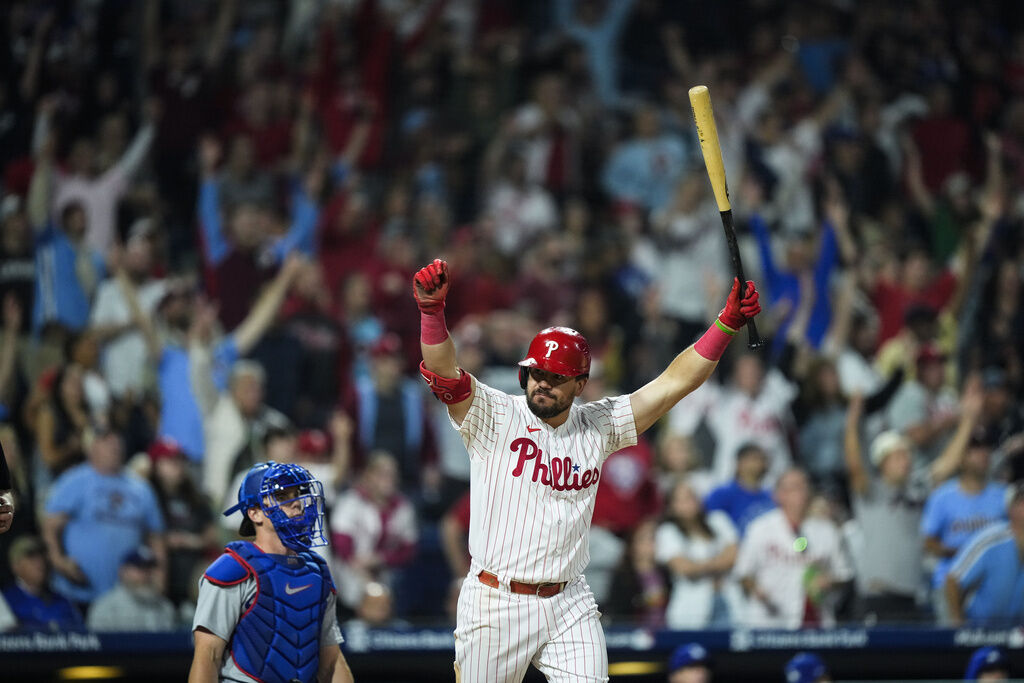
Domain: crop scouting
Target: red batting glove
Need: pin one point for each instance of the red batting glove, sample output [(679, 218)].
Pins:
[(738, 311), (430, 286)]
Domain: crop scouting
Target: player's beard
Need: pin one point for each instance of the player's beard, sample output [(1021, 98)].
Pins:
[(546, 412)]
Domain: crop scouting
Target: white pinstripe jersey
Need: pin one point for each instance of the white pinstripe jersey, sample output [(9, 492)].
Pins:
[(532, 487)]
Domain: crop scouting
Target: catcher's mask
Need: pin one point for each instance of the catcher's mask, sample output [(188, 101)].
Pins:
[(271, 486)]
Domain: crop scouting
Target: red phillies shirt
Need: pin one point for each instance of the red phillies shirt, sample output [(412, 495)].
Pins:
[(627, 493), (892, 301)]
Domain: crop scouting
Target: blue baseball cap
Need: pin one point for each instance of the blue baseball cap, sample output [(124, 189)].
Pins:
[(690, 654), (805, 667), (986, 659), (141, 557)]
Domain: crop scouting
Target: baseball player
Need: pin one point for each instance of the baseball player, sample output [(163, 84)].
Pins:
[(266, 609), (535, 462)]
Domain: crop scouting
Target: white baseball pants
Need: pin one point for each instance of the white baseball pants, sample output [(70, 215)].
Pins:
[(500, 633)]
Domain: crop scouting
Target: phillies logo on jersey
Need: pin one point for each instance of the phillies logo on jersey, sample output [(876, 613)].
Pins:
[(562, 475)]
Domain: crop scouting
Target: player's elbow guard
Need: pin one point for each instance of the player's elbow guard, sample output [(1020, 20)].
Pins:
[(447, 390)]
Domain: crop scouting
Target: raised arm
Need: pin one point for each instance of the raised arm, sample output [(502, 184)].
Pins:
[(29, 84), (41, 186), (946, 465), (215, 244), (346, 161), (852, 447), (301, 236), (837, 212), (264, 311), (828, 255), (200, 356), (842, 315), (136, 153), (439, 368), (677, 51), (694, 365), (217, 44)]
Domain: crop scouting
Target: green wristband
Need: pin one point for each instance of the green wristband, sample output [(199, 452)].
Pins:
[(722, 326)]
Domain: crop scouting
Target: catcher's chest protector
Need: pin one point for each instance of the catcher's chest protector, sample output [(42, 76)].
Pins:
[(277, 640)]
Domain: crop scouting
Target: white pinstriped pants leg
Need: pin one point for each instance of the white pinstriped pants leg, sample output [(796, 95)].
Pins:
[(499, 634)]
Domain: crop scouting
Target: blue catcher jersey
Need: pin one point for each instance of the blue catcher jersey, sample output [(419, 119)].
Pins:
[(277, 639)]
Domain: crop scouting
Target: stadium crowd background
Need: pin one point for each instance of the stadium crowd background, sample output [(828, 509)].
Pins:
[(212, 211)]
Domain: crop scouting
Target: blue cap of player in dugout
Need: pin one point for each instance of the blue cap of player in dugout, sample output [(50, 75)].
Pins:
[(984, 660), (690, 654), (805, 667)]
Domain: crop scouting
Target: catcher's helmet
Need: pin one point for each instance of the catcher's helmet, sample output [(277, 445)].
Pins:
[(561, 350), (271, 485)]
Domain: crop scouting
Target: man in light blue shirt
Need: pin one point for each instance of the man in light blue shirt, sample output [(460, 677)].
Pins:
[(985, 585), (958, 509), (646, 169), (96, 514)]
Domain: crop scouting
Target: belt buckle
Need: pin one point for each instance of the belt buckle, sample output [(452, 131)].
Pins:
[(542, 586)]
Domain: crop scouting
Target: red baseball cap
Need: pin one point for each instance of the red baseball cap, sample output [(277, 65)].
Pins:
[(165, 447), (389, 344), (313, 442), (930, 354)]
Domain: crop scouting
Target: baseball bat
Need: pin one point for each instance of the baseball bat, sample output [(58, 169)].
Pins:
[(704, 117)]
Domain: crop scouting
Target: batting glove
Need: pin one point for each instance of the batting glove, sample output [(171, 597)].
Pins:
[(430, 286), (739, 310)]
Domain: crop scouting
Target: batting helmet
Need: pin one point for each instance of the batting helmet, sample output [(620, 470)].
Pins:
[(561, 350), (271, 485)]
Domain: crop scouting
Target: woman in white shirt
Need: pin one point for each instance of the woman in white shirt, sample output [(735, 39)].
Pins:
[(699, 550)]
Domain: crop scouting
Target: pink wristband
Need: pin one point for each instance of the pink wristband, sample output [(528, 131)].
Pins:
[(433, 329), (712, 344)]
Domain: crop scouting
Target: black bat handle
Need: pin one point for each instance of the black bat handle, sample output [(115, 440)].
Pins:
[(754, 340)]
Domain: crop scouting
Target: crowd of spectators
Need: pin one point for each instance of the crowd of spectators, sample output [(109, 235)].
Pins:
[(211, 213)]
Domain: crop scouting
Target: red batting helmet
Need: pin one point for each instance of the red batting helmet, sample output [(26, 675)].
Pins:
[(560, 350)]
